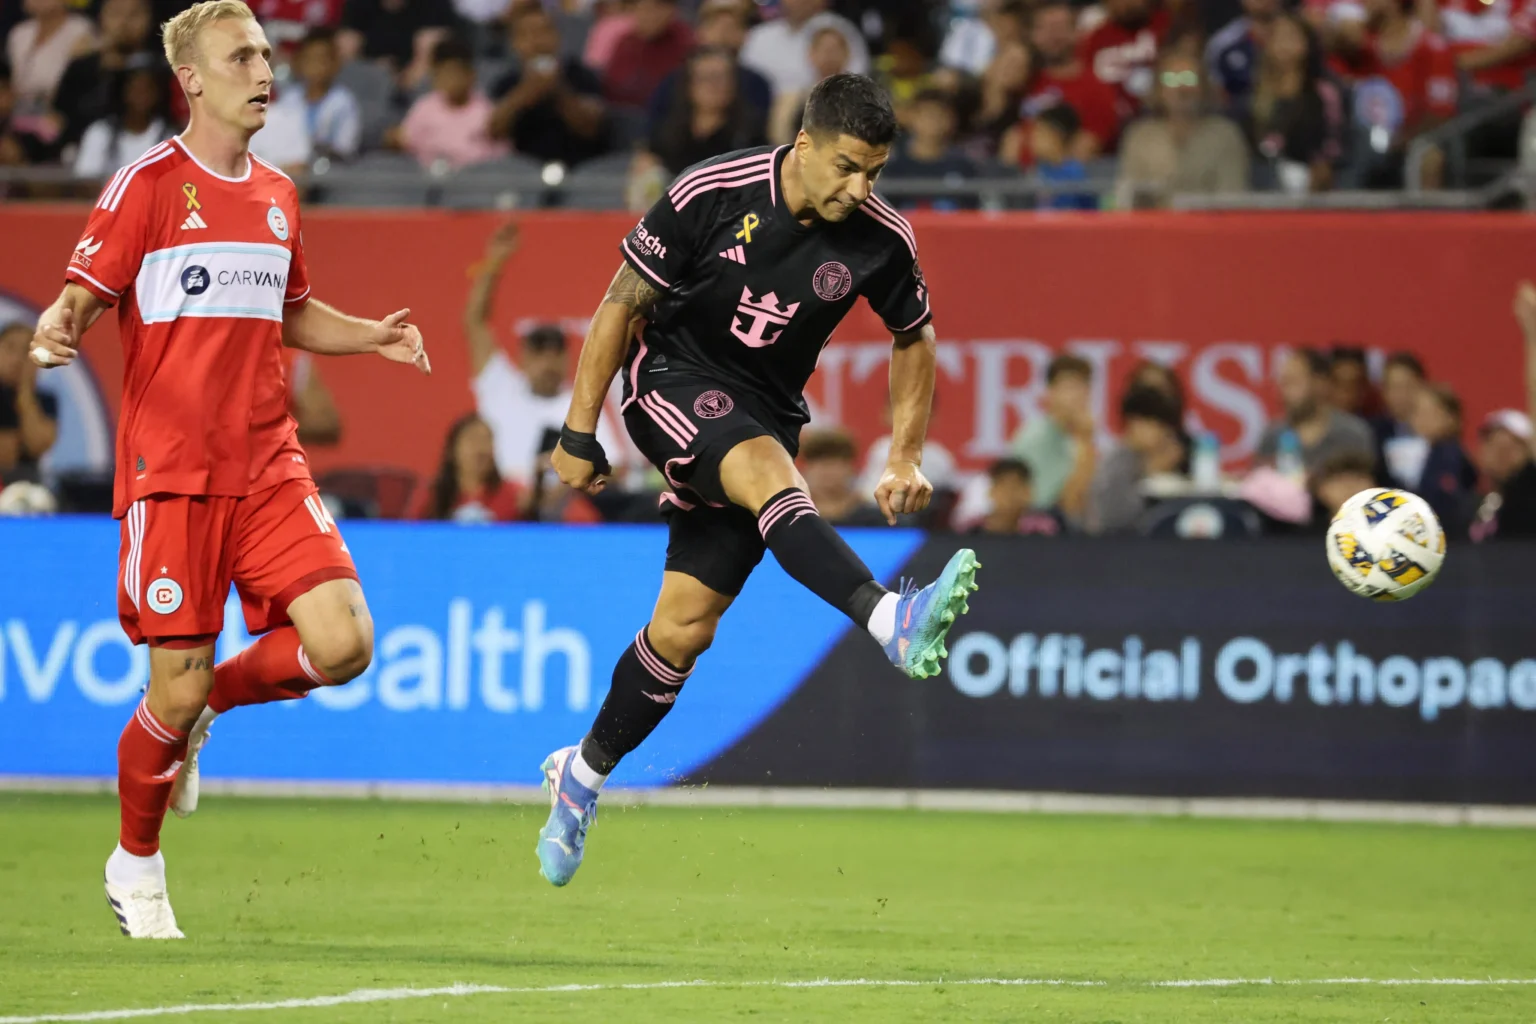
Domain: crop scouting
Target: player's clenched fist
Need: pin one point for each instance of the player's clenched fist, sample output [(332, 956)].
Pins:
[(56, 343), (902, 490), (577, 473)]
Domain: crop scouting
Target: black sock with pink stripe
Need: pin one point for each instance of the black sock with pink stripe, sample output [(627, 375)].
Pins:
[(645, 686), (810, 550)]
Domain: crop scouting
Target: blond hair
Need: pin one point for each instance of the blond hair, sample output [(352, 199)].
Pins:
[(180, 33)]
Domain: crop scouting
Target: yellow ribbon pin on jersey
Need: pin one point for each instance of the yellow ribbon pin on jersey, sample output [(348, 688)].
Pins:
[(190, 191), (748, 223)]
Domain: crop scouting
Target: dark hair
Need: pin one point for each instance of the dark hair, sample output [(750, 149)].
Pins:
[(850, 105), (1011, 466), (452, 49), (673, 142), (828, 444), (931, 95), (1346, 354), (1448, 399), (1317, 363), (318, 34), (1144, 403), (545, 336), (1341, 463), (1061, 116), (1068, 363), (1408, 361), (1034, 12), (445, 486)]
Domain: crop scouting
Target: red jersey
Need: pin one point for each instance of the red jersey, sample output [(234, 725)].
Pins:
[(1398, 93), (1125, 57), (202, 269), (1475, 24), (1100, 107)]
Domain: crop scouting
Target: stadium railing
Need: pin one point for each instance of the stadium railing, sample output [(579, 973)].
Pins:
[(1453, 137)]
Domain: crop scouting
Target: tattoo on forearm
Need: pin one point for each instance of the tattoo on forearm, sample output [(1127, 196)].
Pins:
[(198, 664), (630, 289)]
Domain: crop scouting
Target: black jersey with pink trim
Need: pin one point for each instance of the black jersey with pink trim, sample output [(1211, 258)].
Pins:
[(749, 294)]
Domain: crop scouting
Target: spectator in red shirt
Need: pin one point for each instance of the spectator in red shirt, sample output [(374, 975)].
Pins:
[(656, 45), (1495, 40), (1063, 77), (1123, 50), (467, 488), (1405, 84)]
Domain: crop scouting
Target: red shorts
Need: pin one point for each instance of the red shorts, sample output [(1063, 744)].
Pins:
[(180, 553)]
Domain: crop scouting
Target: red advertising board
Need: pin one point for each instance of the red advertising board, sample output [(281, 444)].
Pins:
[(1216, 295)]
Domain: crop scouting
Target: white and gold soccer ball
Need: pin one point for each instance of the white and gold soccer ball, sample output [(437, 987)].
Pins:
[(1386, 544)]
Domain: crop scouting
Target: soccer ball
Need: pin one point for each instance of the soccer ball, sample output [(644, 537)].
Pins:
[(1385, 544)]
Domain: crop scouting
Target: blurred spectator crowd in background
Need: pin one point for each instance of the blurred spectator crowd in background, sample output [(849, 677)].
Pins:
[(1163, 96), (1341, 430)]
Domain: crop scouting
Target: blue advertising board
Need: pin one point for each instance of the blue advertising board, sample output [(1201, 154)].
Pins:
[(493, 646)]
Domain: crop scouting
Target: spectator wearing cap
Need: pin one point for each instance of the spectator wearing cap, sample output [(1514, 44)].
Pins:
[(779, 50), (655, 45), (522, 400), (452, 122), (1152, 443), (1320, 430), (88, 91), (28, 417), (1505, 446), (1058, 444), (1505, 456), (1448, 477), (1011, 503), (928, 151), (829, 463), (1399, 451), (549, 108), (722, 26)]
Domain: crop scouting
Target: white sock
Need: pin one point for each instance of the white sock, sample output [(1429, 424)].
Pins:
[(882, 624), (585, 773), (127, 870)]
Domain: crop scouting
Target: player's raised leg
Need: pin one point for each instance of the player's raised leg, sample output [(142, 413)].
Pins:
[(759, 475), (647, 680), (300, 590), (149, 752)]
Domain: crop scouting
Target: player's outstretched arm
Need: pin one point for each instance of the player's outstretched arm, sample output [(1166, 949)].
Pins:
[(903, 489), (628, 301), (56, 341), (316, 327)]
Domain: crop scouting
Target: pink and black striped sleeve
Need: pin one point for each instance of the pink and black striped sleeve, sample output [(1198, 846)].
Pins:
[(660, 247)]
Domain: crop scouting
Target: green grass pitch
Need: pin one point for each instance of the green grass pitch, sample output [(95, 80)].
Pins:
[(305, 898)]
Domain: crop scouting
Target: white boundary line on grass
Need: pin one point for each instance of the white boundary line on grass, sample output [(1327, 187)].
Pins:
[(848, 799), (386, 995)]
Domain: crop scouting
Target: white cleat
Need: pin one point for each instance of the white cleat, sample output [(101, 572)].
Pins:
[(184, 789), (143, 911)]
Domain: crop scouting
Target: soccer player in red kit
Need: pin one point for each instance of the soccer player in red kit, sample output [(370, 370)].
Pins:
[(198, 244)]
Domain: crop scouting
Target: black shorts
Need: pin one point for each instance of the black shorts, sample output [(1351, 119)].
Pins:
[(685, 427)]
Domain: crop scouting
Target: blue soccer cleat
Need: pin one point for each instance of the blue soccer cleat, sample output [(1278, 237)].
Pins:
[(923, 617), (572, 810)]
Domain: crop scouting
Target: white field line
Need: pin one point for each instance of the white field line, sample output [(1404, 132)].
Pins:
[(387, 995), (848, 799)]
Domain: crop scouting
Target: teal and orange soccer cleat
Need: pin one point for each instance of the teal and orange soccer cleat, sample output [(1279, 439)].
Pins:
[(572, 810), (923, 617)]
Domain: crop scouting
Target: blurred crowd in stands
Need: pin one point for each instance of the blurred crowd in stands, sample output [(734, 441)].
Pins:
[(1343, 429), (1165, 96)]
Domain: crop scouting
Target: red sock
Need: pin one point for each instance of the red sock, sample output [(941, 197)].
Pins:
[(148, 755), (273, 668)]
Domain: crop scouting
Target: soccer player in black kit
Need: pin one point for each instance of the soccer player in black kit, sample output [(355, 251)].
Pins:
[(730, 287)]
